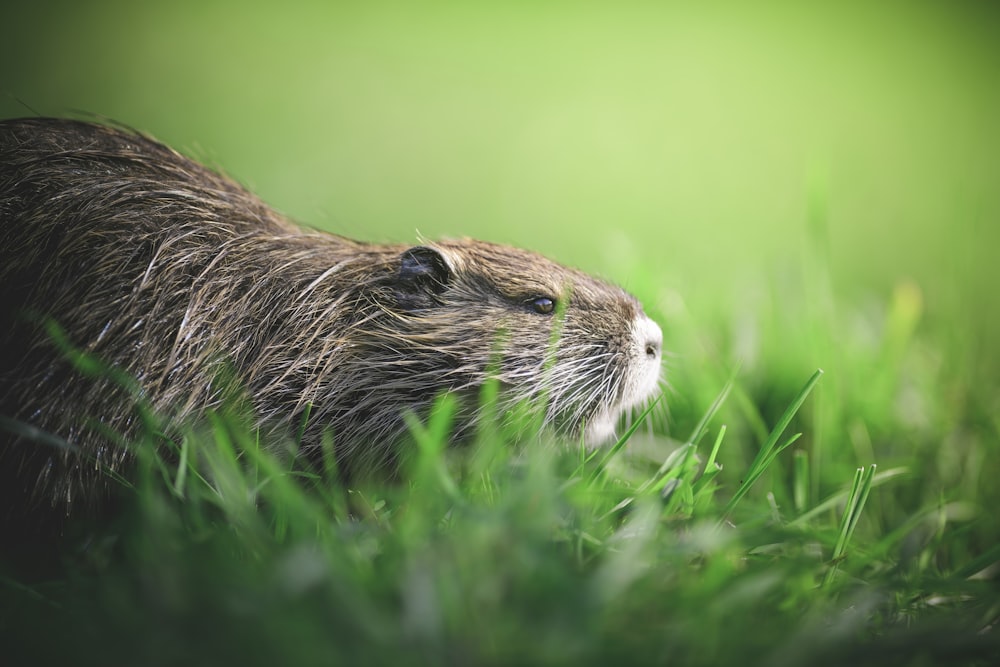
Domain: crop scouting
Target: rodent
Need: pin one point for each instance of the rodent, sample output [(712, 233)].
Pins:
[(177, 276)]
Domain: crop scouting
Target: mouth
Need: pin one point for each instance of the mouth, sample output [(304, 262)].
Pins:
[(601, 427)]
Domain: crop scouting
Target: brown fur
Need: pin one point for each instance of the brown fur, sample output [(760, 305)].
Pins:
[(178, 276)]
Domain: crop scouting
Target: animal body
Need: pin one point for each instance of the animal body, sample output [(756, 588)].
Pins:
[(187, 284)]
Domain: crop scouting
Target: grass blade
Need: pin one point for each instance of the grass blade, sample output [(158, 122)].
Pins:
[(856, 500)]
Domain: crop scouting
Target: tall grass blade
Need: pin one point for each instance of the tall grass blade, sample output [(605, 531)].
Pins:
[(856, 499)]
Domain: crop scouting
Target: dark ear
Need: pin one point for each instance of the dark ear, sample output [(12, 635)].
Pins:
[(423, 273)]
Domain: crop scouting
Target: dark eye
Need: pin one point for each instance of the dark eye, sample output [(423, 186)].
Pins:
[(542, 304)]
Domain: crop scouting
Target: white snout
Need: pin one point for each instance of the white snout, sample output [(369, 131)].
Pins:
[(647, 349)]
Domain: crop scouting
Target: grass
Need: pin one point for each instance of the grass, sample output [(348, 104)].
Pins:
[(799, 519)]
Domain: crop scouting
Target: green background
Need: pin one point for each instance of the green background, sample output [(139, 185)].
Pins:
[(680, 150)]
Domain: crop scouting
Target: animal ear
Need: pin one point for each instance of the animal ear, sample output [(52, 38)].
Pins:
[(423, 272)]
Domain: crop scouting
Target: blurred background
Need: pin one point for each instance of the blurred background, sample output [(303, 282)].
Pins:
[(696, 154)]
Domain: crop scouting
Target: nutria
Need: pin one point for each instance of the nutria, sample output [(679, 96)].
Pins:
[(176, 276)]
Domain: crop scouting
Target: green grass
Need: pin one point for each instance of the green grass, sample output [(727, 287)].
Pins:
[(794, 519)]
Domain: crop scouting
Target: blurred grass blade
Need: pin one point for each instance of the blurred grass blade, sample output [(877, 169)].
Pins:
[(699, 429), (766, 455), (431, 441), (182, 467), (34, 434), (800, 480)]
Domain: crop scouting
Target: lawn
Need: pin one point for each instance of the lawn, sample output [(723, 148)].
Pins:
[(786, 190)]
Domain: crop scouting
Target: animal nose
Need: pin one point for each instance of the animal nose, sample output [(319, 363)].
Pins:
[(653, 338)]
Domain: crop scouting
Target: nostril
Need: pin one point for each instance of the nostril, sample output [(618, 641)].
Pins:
[(649, 337), (654, 345)]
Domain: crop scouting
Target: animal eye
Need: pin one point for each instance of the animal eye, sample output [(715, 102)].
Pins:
[(543, 305)]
